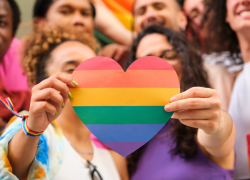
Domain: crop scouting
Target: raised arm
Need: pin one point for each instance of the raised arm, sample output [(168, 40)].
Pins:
[(201, 108), (47, 102)]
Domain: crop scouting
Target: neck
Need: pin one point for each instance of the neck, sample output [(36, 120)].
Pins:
[(73, 129), (244, 41)]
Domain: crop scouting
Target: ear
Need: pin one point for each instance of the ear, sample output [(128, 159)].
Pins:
[(182, 20)]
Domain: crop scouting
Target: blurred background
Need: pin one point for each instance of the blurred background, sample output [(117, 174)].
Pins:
[(26, 7)]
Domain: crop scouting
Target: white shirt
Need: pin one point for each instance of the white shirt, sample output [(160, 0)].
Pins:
[(74, 167), (239, 110)]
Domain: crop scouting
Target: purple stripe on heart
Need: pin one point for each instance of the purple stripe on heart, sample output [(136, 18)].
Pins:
[(124, 148)]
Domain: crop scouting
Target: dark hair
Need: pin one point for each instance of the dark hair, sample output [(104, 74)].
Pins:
[(41, 8), (220, 32), (192, 31), (193, 75), (16, 15)]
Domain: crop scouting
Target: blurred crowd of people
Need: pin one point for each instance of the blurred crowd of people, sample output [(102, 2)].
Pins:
[(206, 41)]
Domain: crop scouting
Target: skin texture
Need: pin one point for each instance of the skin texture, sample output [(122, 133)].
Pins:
[(6, 33), (165, 13), (69, 14), (199, 108), (195, 10), (240, 23), (47, 101), (154, 45)]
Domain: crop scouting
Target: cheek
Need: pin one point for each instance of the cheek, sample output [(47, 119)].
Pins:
[(89, 24), (138, 23)]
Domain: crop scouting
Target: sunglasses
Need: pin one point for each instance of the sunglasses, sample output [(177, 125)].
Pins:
[(94, 171)]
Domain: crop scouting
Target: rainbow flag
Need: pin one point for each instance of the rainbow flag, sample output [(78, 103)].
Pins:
[(122, 10), (124, 110)]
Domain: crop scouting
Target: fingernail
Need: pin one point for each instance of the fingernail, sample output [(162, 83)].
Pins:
[(70, 95), (56, 114), (63, 105), (75, 83), (173, 99), (167, 108)]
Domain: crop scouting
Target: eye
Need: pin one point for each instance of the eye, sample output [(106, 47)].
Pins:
[(159, 6), (70, 71), (194, 13), (65, 11), (3, 23), (86, 14), (140, 11)]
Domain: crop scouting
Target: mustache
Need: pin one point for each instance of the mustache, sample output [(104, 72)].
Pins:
[(153, 21)]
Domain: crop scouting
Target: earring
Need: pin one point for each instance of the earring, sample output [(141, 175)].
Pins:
[(183, 28)]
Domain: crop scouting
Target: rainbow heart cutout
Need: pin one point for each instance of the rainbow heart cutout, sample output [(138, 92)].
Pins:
[(124, 110)]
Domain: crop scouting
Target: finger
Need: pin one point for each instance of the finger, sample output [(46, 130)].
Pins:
[(193, 103), (43, 106), (53, 83), (59, 82), (118, 55), (49, 94), (108, 51), (196, 92), (209, 126), (196, 114)]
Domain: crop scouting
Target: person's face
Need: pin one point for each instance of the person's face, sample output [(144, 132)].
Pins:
[(157, 45), (195, 9), (6, 31), (165, 13), (238, 15), (70, 14), (66, 57)]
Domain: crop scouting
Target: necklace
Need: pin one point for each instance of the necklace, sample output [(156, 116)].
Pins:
[(81, 152)]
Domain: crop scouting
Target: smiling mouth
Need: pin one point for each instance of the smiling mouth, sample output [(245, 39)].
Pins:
[(244, 13)]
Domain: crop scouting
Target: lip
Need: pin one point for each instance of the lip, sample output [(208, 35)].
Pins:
[(243, 10)]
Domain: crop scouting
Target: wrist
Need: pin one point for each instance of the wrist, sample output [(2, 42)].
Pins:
[(28, 131)]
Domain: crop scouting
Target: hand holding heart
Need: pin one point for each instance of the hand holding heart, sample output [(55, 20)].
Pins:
[(198, 108), (47, 101)]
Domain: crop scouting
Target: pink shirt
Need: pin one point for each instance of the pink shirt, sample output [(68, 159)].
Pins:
[(11, 72)]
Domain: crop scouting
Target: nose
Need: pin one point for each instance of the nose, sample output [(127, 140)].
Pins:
[(246, 3), (150, 14), (78, 20)]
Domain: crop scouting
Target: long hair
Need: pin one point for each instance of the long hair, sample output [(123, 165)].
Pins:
[(193, 75), (221, 35)]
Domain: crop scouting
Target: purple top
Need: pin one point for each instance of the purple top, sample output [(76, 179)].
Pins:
[(156, 163)]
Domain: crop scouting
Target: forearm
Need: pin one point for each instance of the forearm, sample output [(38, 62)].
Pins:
[(21, 153), (112, 28), (220, 143)]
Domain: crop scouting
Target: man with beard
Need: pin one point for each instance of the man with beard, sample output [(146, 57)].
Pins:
[(168, 13)]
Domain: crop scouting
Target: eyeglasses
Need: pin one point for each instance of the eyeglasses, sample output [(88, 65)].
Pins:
[(169, 54), (93, 171)]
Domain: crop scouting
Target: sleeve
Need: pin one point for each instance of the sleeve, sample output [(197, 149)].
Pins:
[(48, 157)]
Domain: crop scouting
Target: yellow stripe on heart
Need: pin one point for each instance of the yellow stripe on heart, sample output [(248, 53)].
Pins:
[(122, 96)]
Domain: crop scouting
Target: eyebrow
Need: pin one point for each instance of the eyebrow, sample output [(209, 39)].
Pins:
[(74, 62), (71, 7)]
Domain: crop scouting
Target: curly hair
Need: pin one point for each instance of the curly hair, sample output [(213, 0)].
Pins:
[(194, 75), (38, 48), (220, 32)]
